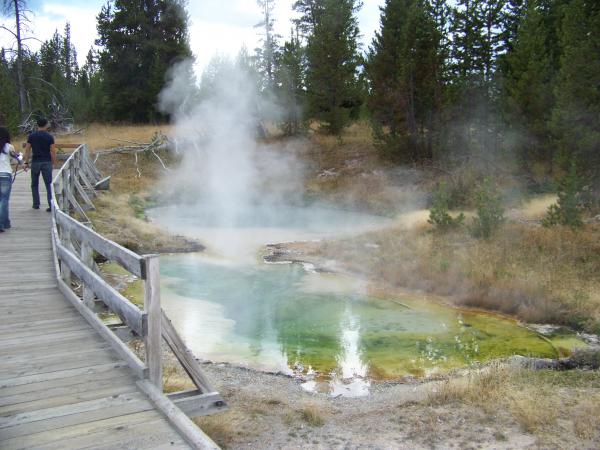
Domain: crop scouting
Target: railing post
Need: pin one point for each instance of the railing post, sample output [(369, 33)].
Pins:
[(65, 235), (152, 308), (88, 260), (65, 190)]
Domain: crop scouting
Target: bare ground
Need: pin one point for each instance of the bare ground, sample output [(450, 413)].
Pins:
[(273, 411)]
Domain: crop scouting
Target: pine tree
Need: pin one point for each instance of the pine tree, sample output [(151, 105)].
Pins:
[(140, 41), (290, 82), (529, 70), (51, 61), (405, 73), (9, 105), (332, 31), (267, 53), (575, 119), (477, 30), (69, 57)]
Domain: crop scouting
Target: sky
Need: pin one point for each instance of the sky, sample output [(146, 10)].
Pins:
[(215, 26)]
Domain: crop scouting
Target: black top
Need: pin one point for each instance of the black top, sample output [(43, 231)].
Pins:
[(40, 143)]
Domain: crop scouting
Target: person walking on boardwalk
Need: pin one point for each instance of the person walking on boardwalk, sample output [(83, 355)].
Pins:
[(44, 157), (7, 151)]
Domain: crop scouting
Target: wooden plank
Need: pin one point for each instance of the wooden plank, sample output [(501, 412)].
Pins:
[(117, 424), (86, 178), (26, 359), (136, 365), (83, 195), (152, 307), (40, 389), (69, 398), (60, 417), (65, 233), (111, 401), (64, 145), (103, 184), (131, 437), (76, 325), (132, 316), (34, 323), (35, 340), (182, 423), (184, 355), (74, 362), (59, 374), (28, 313), (48, 361), (77, 207), (86, 339), (112, 251), (59, 393), (87, 258), (195, 404)]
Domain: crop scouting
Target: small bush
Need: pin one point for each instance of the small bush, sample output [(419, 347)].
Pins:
[(567, 210), (312, 416), (490, 212), (439, 215)]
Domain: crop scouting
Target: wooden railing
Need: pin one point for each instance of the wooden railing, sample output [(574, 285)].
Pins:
[(75, 244)]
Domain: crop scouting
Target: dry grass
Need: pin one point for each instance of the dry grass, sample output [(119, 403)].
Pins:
[(313, 415), (533, 411), (500, 388), (103, 136), (222, 428), (538, 274), (485, 388), (586, 419), (174, 379), (115, 218)]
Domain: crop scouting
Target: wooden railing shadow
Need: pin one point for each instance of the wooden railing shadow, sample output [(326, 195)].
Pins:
[(75, 243)]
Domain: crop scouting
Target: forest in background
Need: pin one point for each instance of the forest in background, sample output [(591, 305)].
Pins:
[(497, 84)]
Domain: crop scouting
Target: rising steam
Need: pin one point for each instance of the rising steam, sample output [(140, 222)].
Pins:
[(226, 175)]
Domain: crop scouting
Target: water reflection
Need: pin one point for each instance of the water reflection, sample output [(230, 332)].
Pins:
[(325, 328)]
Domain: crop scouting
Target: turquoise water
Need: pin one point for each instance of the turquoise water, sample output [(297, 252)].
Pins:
[(327, 329)]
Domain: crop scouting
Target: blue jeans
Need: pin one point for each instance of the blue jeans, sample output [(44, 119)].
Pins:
[(5, 187), (45, 168)]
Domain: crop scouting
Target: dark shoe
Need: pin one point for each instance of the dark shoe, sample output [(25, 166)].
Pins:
[(48, 209), (1, 230), (35, 207)]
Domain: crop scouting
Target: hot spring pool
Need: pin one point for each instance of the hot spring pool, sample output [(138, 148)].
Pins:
[(327, 328)]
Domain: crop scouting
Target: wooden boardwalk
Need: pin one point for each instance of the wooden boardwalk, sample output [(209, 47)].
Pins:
[(61, 384)]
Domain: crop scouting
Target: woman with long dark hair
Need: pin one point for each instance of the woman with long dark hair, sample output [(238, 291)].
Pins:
[(6, 152)]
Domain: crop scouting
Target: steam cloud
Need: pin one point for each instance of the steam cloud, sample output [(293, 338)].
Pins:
[(226, 176)]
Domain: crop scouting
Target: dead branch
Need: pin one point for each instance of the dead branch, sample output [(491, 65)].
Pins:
[(158, 142)]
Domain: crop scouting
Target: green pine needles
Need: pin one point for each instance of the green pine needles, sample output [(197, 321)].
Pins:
[(567, 210), (490, 211), (439, 214)]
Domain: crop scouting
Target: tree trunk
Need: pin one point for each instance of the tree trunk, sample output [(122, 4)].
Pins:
[(20, 82)]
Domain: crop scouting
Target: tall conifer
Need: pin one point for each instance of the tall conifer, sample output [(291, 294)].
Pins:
[(332, 31), (140, 40)]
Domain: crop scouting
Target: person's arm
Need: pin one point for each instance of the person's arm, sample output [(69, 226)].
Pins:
[(53, 154), (27, 155), (15, 155)]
